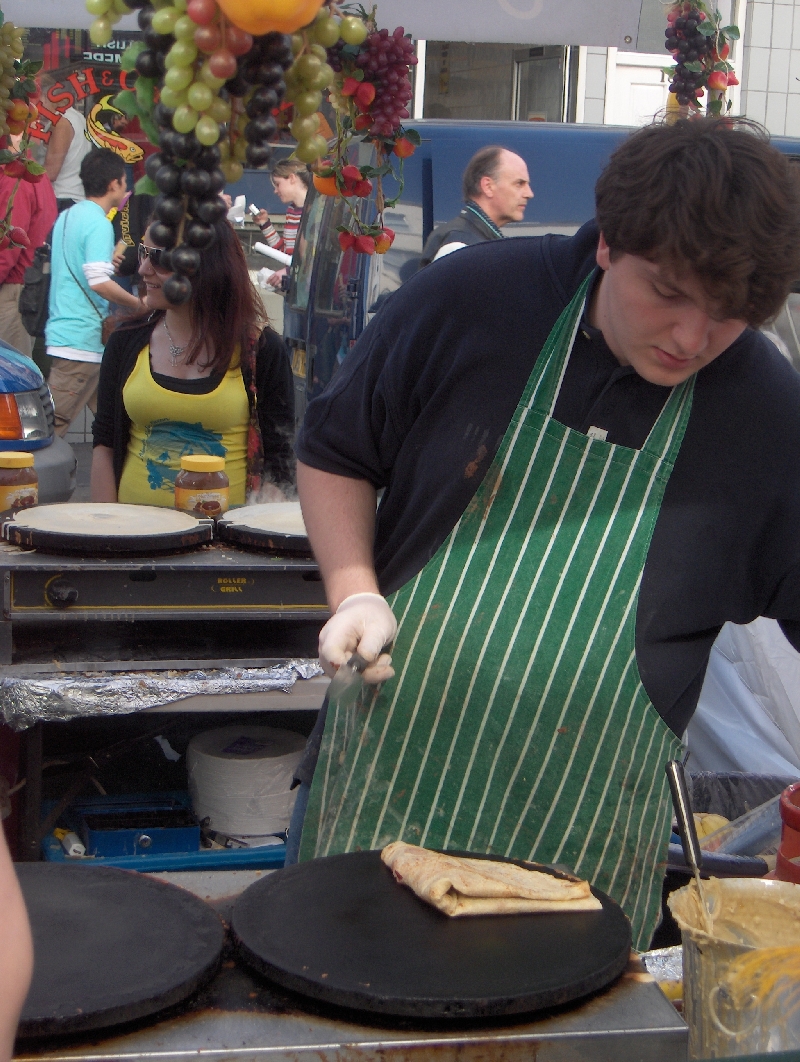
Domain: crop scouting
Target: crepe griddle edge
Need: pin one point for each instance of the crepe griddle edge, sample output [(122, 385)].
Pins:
[(342, 931), (241, 534), (111, 946), (66, 542)]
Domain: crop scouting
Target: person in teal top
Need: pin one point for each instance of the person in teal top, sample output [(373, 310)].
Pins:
[(82, 234), (81, 287)]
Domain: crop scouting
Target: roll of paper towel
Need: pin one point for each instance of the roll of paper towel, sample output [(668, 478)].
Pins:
[(239, 778)]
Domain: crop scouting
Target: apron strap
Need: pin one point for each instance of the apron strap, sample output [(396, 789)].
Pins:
[(544, 383)]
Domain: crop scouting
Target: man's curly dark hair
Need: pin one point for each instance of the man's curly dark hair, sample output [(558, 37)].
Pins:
[(713, 197)]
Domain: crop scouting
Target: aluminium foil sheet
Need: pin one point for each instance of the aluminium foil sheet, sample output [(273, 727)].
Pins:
[(25, 701)]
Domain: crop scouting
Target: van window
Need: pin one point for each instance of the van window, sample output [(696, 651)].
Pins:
[(306, 250), (336, 298), (336, 267)]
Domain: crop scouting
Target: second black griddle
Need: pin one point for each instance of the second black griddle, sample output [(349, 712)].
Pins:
[(111, 946), (239, 533), (343, 931)]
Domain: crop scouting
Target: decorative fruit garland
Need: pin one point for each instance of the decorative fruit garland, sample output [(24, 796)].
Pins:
[(213, 77), (701, 46), (18, 91), (369, 93)]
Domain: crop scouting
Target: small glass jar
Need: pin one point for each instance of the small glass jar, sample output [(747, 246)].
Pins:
[(201, 486), (19, 484)]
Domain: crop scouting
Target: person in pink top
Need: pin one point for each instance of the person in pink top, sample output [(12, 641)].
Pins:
[(291, 180), (34, 210)]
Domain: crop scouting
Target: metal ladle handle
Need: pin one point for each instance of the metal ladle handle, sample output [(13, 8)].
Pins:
[(683, 813)]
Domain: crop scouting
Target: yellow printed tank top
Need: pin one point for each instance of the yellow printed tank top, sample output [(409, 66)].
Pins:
[(167, 425)]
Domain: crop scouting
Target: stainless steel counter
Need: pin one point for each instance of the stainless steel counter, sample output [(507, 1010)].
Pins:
[(240, 1017)]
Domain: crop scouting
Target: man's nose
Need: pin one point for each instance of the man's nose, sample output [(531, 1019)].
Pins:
[(692, 330)]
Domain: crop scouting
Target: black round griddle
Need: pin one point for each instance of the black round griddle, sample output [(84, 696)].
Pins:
[(257, 538), (343, 931), (59, 542), (111, 946)]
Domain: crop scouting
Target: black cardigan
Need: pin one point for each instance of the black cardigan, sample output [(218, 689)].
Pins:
[(274, 388)]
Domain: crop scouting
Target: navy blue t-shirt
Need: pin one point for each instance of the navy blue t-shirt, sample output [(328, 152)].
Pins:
[(423, 400)]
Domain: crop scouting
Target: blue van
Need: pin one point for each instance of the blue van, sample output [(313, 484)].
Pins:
[(332, 294)]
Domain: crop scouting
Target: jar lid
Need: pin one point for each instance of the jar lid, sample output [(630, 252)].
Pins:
[(203, 463), (15, 459)]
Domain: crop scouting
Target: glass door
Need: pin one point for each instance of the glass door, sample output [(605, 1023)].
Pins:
[(540, 84)]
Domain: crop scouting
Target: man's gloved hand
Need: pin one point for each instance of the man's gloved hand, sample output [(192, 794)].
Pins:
[(363, 623)]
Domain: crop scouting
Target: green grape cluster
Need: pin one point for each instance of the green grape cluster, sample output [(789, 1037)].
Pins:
[(10, 49), (10, 45), (308, 77), (107, 14), (191, 88)]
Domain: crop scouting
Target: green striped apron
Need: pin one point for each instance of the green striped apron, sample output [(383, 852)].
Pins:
[(517, 723)]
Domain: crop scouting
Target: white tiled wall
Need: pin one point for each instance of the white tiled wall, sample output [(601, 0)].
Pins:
[(770, 64), (594, 101), (767, 63)]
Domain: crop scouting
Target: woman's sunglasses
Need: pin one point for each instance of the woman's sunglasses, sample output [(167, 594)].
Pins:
[(155, 254)]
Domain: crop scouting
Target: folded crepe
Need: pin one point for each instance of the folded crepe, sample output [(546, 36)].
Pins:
[(459, 886)]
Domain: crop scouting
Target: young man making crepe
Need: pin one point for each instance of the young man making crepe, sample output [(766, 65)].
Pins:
[(590, 462)]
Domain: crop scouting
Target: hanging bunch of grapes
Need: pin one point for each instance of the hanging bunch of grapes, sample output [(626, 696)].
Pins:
[(701, 46), (209, 77), (367, 72), (213, 75), (12, 74), (18, 95)]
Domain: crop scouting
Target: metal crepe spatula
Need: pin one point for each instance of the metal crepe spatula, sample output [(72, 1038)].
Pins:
[(683, 813), (346, 684)]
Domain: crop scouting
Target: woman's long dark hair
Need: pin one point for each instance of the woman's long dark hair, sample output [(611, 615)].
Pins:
[(227, 311)]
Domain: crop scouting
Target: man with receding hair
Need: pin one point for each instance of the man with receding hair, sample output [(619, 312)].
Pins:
[(496, 189)]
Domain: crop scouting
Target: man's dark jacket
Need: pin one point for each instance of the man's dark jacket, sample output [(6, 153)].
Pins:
[(467, 228)]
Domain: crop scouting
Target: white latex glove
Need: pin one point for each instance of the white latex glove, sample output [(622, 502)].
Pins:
[(362, 623)]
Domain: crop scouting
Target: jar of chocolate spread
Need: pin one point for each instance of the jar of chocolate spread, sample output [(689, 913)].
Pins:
[(19, 484), (201, 486)]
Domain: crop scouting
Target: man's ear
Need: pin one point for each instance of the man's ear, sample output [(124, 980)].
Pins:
[(487, 186), (603, 255)]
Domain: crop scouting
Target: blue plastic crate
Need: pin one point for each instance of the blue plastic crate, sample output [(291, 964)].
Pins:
[(131, 827), (178, 851)]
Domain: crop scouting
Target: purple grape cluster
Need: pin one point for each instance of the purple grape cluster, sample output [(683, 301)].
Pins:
[(263, 68), (688, 45), (187, 172), (335, 59), (189, 180), (385, 58)]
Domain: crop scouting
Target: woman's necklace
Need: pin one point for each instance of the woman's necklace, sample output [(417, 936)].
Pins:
[(175, 351)]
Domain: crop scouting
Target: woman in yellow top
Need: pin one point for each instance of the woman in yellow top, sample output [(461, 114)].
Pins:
[(206, 377)]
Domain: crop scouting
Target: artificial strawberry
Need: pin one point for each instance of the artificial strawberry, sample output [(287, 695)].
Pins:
[(403, 148), (365, 244)]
